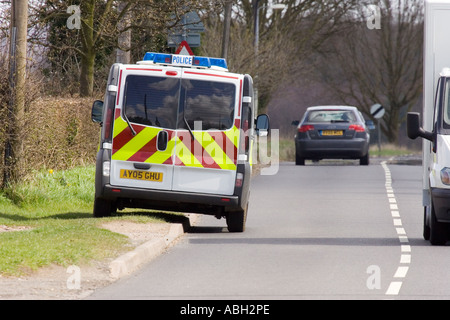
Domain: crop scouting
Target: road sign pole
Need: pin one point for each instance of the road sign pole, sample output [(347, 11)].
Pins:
[(379, 136)]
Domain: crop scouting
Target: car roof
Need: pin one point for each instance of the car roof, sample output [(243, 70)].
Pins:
[(332, 107)]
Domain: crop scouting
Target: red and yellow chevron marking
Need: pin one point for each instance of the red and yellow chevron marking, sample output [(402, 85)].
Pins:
[(209, 149), (142, 147)]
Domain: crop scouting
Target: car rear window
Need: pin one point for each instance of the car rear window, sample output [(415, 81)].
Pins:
[(331, 116)]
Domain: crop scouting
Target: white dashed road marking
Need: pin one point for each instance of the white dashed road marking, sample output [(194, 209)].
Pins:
[(405, 248)]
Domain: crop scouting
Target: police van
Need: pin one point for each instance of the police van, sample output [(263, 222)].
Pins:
[(176, 134)]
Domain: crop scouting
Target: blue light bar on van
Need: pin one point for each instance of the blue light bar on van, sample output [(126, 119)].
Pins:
[(158, 57), (207, 62), (185, 61)]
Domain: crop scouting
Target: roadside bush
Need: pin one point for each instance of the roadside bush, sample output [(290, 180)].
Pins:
[(57, 131), (59, 134)]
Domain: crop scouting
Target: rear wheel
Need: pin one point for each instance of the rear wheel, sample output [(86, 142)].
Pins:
[(364, 161), (426, 225), (299, 161), (102, 208), (236, 220)]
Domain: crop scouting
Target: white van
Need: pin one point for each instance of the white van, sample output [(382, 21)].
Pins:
[(177, 135), (435, 128)]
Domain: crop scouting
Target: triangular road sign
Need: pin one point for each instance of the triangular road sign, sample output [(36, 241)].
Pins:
[(184, 49)]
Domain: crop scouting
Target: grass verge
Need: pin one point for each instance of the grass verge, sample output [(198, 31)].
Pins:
[(56, 206), (391, 150)]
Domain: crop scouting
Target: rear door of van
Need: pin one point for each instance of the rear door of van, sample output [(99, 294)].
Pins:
[(207, 143), (176, 129), (144, 132)]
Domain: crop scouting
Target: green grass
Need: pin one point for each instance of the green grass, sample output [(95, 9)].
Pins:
[(57, 189), (391, 150), (57, 207)]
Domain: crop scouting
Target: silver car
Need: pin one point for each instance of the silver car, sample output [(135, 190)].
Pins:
[(332, 132)]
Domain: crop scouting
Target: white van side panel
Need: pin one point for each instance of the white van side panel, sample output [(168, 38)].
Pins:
[(436, 57)]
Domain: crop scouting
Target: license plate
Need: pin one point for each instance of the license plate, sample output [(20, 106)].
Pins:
[(332, 132), (141, 175)]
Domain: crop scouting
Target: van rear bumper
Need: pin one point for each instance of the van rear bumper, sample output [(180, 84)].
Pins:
[(441, 203), (170, 200)]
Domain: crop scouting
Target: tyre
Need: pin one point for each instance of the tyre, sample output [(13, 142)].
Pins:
[(236, 220), (299, 161), (364, 161), (426, 226), (102, 208), (438, 230)]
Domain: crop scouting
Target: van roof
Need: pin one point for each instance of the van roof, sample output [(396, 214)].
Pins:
[(177, 60), (445, 72)]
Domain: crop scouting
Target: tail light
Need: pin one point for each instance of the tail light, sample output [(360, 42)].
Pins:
[(356, 127), (306, 128), (108, 122), (106, 168), (239, 179)]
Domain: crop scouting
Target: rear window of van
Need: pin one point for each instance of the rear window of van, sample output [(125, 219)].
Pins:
[(168, 102)]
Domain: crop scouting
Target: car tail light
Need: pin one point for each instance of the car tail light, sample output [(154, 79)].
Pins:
[(305, 128), (356, 127)]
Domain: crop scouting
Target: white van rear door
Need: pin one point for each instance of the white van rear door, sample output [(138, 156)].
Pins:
[(144, 130), (207, 147)]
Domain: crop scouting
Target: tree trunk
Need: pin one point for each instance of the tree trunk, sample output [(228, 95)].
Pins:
[(226, 28), (87, 73), (123, 54), (16, 109), (87, 43)]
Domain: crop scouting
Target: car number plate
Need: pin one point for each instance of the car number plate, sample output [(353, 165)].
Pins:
[(332, 132), (141, 175)]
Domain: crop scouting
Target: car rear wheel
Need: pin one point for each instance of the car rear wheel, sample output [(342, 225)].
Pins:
[(364, 161), (299, 161)]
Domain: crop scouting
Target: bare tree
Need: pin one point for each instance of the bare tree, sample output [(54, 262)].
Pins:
[(101, 24), (287, 39), (378, 60)]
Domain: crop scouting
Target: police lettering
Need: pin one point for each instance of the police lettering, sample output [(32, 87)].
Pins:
[(182, 60)]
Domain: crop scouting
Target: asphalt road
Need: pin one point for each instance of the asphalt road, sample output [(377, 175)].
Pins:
[(333, 230)]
